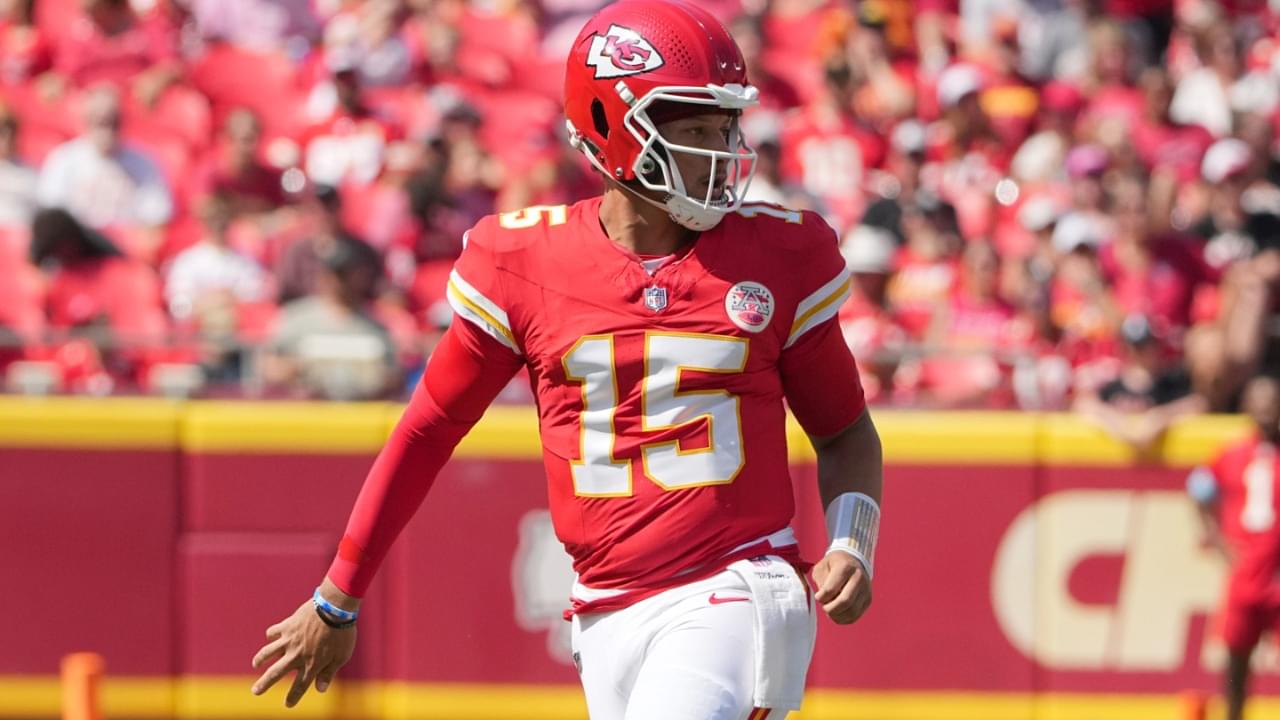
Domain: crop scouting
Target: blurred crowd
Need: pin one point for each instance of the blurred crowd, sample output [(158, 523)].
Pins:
[(1045, 203)]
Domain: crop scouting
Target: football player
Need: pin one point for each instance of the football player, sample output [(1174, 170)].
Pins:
[(663, 325), (1238, 502)]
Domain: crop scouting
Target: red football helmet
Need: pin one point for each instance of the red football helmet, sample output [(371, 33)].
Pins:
[(636, 53)]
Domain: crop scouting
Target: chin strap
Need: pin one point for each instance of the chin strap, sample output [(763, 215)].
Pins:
[(691, 220)]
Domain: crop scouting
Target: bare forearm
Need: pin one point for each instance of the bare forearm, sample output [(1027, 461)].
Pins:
[(850, 461)]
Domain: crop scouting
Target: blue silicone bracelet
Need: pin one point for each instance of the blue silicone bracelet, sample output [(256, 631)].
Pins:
[(328, 608)]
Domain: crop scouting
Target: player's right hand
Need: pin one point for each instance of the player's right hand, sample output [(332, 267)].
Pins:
[(304, 644)]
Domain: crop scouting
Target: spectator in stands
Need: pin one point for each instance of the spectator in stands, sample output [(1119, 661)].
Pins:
[(17, 180), (235, 172), (1152, 273), (472, 175), (348, 143), (1114, 104), (882, 95), (776, 93), (206, 281), (327, 344), (99, 179), (974, 335), (1040, 158), (263, 25), (896, 186), (971, 157), (1160, 142), (1051, 37), (826, 148), (1241, 340), (925, 271), (768, 184), (1149, 393), (1234, 222), (366, 39), (874, 336), (1203, 96), (25, 51), (1088, 218), (209, 286), (302, 262), (109, 42)]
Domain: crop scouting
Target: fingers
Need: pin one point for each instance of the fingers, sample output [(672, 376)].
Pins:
[(843, 597), (831, 580), (857, 605), (852, 600), (301, 682), (273, 674), (269, 651), (274, 631), (325, 676)]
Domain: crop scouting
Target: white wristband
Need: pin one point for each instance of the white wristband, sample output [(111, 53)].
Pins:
[(853, 525)]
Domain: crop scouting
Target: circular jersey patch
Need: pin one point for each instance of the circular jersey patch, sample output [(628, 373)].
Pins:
[(750, 306)]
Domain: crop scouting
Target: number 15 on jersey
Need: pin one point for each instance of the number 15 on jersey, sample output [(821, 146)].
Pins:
[(664, 405)]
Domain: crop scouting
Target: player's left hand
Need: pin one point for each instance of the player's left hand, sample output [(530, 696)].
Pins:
[(844, 590)]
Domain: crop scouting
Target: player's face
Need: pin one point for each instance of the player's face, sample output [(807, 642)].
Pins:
[(1262, 403), (710, 131)]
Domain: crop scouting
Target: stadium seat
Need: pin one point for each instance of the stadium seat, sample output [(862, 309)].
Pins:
[(181, 112), (21, 297), (409, 107), (15, 244), (264, 82), (35, 143), (516, 122)]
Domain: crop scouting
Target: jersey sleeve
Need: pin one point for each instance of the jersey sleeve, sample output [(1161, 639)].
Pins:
[(466, 372), (819, 376), (475, 289), (824, 285)]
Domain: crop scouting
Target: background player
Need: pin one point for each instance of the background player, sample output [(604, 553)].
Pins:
[(1238, 502), (662, 325)]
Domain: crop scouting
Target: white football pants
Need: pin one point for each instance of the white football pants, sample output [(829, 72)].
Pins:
[(685, 654)]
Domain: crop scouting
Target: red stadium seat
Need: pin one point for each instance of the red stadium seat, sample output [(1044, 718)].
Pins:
[(15, 244), (52, 16), (410, 108), (35, 142), (61, 114), (21, 297), (181, 112), (263, 82), (516, 122)]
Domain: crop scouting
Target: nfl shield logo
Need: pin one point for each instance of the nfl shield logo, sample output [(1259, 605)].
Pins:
[(655, 298)]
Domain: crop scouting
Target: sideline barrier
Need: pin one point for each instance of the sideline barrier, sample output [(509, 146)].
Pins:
[(1032, 569)]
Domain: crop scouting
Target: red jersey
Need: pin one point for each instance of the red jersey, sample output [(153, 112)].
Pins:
[(660, 396), (1248, 502)]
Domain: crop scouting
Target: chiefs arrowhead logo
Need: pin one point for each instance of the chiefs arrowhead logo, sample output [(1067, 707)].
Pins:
[(622, 52)]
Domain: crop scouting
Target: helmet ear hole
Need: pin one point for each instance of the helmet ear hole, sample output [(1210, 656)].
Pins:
[(599, 119)]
